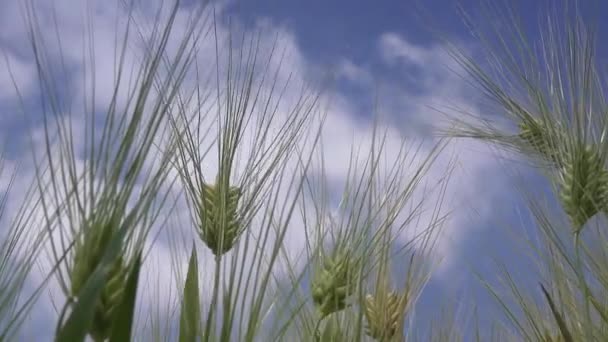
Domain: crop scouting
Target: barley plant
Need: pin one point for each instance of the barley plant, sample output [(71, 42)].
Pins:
[(550, 90), (204, 141), (346, 291), (99, 212)]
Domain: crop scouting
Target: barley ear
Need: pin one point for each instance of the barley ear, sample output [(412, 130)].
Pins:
[(219, 224), (111, 297), (384, 313), (87, 257), (583, 185), (333, 283), (386, 309), (104, 276), (88, 252)]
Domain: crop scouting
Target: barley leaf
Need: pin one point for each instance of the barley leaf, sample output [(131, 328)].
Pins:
[(123, 321), (190, 315), (561, 323)]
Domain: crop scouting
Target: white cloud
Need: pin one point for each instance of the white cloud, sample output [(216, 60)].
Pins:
[(354, 73), (439, 93), (395, 49)]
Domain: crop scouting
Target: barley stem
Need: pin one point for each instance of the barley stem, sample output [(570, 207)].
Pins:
[(216, 285)]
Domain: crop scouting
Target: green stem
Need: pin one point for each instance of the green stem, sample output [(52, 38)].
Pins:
[(581, 279), (216, 284), (317, 333)]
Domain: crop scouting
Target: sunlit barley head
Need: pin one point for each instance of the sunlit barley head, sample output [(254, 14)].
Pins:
[(384, 313)]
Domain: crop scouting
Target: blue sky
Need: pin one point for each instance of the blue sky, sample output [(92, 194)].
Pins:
[(376, 48)]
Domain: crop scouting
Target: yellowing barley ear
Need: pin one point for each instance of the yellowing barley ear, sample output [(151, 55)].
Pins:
[(87, 255), (384, 313), (584, 183), (534, 133), (333, 283), (220, 226)]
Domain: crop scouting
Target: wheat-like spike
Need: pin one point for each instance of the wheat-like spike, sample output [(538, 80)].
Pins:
[(371, 312), (583, 185), (584, 181), (87, 256), (110, 299), (384, 312), (217, 231), (333, 284)]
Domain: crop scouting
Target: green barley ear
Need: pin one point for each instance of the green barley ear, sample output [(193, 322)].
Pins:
[(110, 299), (384, 313), (584, 184), (534, 133), (333, 283), (219, 227), (87, 256), (88, 253)]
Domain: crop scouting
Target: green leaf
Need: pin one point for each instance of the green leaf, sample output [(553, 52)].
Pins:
[(561, 322), (190, 317), (123, 321)]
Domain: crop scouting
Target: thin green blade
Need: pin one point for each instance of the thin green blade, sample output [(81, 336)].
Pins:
[(190, 317), (123, 322)]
